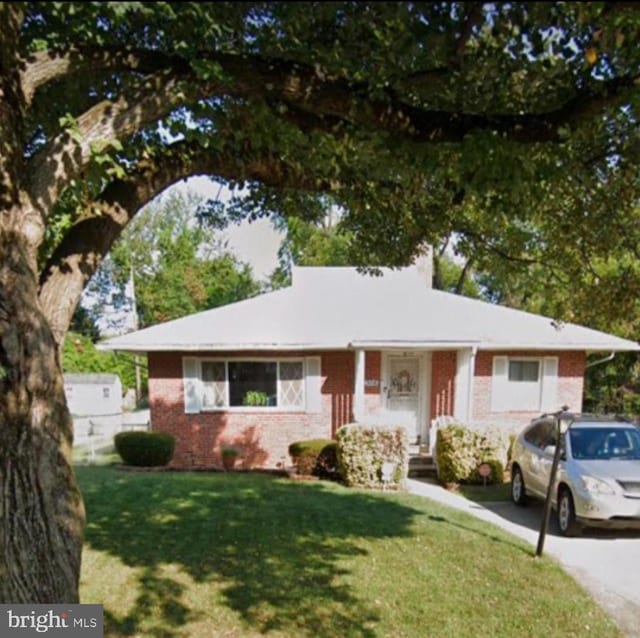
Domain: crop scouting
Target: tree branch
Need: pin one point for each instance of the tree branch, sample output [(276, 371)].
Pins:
[(316, 99), (67, 155), (85, 245), (11, 105), (463, 276), (45, 67), (473, 17)]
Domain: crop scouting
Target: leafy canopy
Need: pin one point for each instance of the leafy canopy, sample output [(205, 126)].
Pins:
[(168, 266), (511, 126)]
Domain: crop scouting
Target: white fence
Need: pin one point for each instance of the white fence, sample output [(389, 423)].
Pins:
[(94, 434)]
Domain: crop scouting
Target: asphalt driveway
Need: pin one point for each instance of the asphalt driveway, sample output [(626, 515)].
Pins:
[(606, 563)]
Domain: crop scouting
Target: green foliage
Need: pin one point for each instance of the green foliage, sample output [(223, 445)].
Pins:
[(229, 452), (613, 387), (310, 243), (461, 450), (535, 213), (363, 449), (145, 449), (255, 398), (512, 442), (315, 457), (177, 268), (83, 323), (451, 276), (79, 354)]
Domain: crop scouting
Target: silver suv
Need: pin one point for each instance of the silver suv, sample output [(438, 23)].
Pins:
[(598, 480)]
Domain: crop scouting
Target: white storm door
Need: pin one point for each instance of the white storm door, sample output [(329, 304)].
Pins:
[(403, 393)]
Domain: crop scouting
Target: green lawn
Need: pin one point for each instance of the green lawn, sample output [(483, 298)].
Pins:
[(233, 555), (486, 493)]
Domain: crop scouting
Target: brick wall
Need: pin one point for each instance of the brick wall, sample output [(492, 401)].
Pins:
[(570, 386), (338, 373), (443, 375), (571, 368), (263, 437)]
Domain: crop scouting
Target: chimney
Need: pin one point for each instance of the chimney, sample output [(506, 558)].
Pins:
[(423, 264)]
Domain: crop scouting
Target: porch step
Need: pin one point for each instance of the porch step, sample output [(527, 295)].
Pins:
[(422, 465)]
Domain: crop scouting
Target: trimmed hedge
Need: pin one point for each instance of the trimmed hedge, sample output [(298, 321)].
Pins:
[(363, 449), (315, 457), (461, 450), (145, 449)]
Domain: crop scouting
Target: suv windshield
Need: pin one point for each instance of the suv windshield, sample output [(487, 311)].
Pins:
[(604, 442)]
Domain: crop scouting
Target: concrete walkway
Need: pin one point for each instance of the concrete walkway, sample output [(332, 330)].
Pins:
[(606, 564)]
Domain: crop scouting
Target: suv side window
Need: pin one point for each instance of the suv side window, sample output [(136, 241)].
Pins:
[(535, 435), (541, 434)]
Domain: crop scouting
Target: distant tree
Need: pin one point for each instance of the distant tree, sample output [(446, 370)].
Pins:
[(613, 387), (79, 354), (83, 323), (173, 265), (319, 242)]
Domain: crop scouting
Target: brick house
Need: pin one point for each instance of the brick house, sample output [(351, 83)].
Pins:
[(338, 346)]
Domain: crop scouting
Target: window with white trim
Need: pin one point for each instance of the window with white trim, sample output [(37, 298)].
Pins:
[(524, 384), (250, 384)]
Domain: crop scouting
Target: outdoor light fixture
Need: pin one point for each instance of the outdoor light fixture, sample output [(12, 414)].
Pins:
[(563, 421)]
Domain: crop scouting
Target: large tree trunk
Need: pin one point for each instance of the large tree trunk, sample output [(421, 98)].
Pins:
[(41, 511)]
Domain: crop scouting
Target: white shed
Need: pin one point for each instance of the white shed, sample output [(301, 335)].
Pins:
[(93, 394)]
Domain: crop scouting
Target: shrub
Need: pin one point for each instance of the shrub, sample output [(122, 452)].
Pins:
[(315, 457), (229, 452), (512, 442), (146, 449), (363, 449), (461, 450)]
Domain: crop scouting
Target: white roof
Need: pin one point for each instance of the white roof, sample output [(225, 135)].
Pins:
[(337, 308), (90, 378)]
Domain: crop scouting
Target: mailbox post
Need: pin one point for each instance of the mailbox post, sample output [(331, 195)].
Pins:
[(562, 423)]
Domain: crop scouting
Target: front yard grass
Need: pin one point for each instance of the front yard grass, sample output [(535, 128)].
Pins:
[(486, 493), (181, 555)]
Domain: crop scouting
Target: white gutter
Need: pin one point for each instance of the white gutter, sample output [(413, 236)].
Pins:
[(214, 347), (584, 347), (599, 361)]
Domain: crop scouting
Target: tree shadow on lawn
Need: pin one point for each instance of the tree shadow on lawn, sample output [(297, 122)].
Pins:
[(273, 547)]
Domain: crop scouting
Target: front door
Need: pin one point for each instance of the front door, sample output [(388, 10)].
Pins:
[(403, 393)]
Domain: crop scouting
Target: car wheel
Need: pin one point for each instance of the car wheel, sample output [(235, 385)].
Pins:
[(567, 514), (518, 493)]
